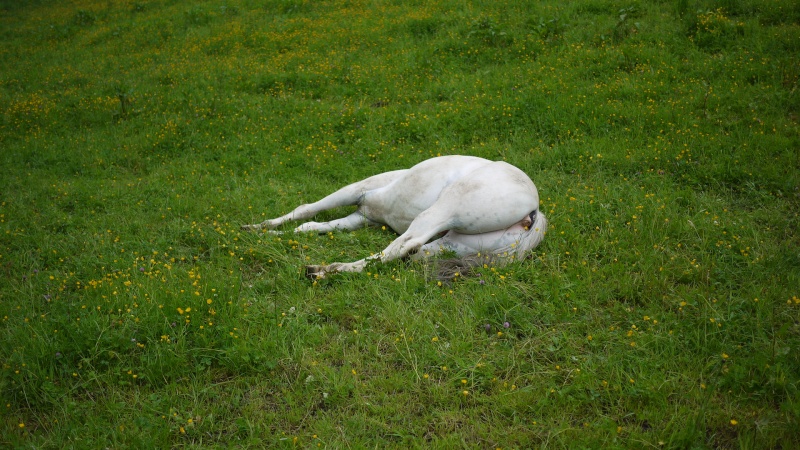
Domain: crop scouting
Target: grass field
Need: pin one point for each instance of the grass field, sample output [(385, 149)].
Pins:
[(662, 309)]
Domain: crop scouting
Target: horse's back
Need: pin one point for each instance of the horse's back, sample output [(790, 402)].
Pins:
[(400, 202), (493, 197)]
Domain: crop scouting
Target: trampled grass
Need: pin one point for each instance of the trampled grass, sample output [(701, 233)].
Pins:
[(662, 309)]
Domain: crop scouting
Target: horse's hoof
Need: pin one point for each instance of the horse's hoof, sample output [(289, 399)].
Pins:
[(314, 273)]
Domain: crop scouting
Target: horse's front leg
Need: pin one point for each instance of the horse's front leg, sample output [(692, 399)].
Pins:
[(346, 196), (352, 222)]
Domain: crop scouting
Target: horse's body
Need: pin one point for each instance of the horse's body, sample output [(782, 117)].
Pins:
[(481, 206)]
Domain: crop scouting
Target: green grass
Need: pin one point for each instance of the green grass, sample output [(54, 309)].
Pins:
[(661, 310)]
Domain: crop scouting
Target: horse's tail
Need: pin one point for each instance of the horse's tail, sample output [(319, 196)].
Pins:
[(448, 269), (533, 237)]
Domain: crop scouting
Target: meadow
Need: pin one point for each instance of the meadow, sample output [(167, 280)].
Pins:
[(662, 310)]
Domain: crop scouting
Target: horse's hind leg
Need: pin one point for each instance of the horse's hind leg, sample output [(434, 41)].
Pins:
[(348, 195), (438, 246), (428, 224)]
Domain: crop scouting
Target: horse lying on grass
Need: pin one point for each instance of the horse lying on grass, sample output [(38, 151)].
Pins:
[(480, 209)]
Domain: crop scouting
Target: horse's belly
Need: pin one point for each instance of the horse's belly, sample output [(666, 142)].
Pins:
[(397, 211), (491, 242)]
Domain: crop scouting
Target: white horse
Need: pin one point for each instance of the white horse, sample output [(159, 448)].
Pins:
[(479, 207)]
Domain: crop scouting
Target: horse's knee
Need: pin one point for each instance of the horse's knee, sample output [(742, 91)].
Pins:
[(402, 247), (308, 226), (413, 247)]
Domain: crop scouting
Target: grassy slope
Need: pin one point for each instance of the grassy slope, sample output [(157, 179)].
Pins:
[(136, 137)]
